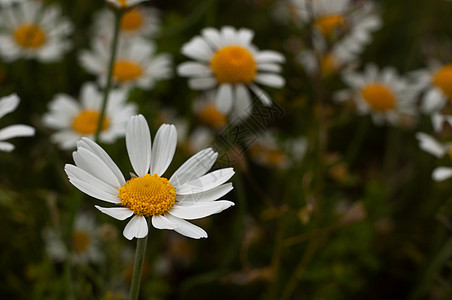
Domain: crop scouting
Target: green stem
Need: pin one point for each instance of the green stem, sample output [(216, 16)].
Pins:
[(138, 267), (114, 46)]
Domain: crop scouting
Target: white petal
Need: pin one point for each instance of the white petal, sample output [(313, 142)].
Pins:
[(187, 229), (98, 151), (165, 143), (205, 196), (193, 69), (8, 104), (206, 182), (212, 36), (200, 210), (441, 173), (202, 83), (15, 131), (224, 98), (197, 48), (90, 185), (268, 67), (138, 142), (8, 147), (263, 96), (162, 222), (430, 145), (433, 100), (269, 56), (242, 106), (245, 36), (194, 167), (119, 213), (272, 80), (137, 227)]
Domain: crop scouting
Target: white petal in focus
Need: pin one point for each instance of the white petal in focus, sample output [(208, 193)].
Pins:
[(165, 143), (162, 222), (187, 229), (205, 196), (200, 210), (138, 142), (136, 228), (206, 182), (119, 213)]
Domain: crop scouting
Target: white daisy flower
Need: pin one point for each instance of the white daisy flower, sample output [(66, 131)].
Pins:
[(138, 21), (383, 94), (266, 150), (136, 64), (30, 30), (189, 193), (7, 105), (207, 112), (227, 60), (124, 3), (74, 119), (330, 17), (430, 145), (436, 82)]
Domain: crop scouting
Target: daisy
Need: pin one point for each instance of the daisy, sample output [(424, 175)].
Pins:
[(333, 17), (383, 94), (227, 61), (136, 64), (207, 113), (438, 121), (189, 193), (73, 119), (266, 150), (430, 145), (138, 21), (7, 105), (124, 3), (30, 30), (436, 82)]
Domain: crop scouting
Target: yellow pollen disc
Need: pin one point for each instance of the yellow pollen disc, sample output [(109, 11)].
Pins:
[(29, 36), (327, 24), (80, 241), (125, 70), (275, 157), (131, 20), (87, 120), (122, 2), (210, 116), (329, 65), (379, 97), (148, 195), (443, 79), (233, 64)]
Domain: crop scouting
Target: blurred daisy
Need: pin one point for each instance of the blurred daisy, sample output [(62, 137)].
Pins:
[(136, 64), (9, 2), (430, 145), (436, 81), (207, 113), (84, 243), (138, 21), (189, 194), (74, 119), (30, 30), (124, 3), (227, 60), (338, 17), (266, 150), (7, 105), (383, 94), (438, 121)]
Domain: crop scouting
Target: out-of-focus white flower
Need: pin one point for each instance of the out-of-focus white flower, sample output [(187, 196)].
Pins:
[(124, 3), (189, 194), (136, 64), (227, 61), (430, 145), (7, 105), (381, 93), (30, 30), (138, 21), (75, 119)]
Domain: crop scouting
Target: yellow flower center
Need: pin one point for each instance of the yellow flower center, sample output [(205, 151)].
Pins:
[(210, 116), (86, 122), (443, 79), (122, 2), (379, 97), (233, 64), (329, 65), (148, 195), (29, 36), (80, 241), (125, 70), (131, 20), (327, 24)]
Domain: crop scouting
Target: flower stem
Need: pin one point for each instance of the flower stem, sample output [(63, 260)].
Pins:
[(138, 267), (114, 46)]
